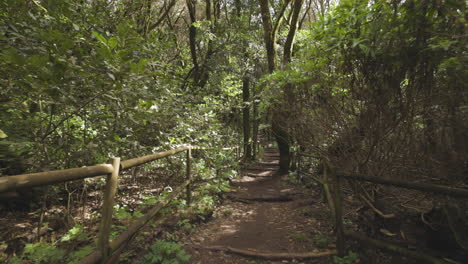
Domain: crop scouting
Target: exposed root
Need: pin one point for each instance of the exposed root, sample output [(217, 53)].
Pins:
[(257, 176), (267, 199), (269, 255), (425, 258), (377, 211), (272, 169)]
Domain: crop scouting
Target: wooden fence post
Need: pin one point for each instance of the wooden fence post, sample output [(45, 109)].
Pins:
[(107, 208), (188, 175), (336, 182)]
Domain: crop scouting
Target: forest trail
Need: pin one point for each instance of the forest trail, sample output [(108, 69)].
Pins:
[(264, 212)]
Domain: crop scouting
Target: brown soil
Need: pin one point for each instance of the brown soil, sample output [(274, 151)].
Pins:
[(264, 213)]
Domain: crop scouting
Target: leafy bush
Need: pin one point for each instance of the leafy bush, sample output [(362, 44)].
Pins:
[(322, 240), (39, 253), (351, 258), (76, 256), (76, 233), (166, 252), (43, 252)]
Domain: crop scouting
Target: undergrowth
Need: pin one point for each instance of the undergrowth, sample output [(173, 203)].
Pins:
[(77, 243), (166, 252), (43, 252), (351, 258)]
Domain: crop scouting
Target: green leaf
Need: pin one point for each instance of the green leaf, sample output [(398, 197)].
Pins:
[(100, 37), (81, 253), (112, 42), (11, 56), (3, 134)]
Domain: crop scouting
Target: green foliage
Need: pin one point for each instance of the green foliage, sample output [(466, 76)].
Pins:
[(43, 252), (121, 212), (322, 239), (83, 81), (351, 258), (48, 253), (370, 66), (205, 204), (76, 233), (300, 237), (185, 225), (165, 252), (117, 229), (79, 254), (39, 253), (215, 186), (2, 134), (227, 212), (150, 200), (293, 177), (216, 168)]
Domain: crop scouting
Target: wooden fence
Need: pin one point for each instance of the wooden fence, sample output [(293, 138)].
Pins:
[(332, 180), (107, 248)]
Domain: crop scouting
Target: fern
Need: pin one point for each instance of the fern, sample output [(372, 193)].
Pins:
[(165, 252)]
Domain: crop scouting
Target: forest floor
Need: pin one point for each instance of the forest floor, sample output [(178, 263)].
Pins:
[(264, 212)]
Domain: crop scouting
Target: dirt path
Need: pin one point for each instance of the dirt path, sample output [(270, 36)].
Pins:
[(264, 213)]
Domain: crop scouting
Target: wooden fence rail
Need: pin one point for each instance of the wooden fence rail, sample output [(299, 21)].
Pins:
[(106, 247), (330, 177), (10, 183), (424, 187), (145, 159)]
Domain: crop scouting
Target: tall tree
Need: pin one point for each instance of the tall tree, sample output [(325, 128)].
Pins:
[(246, 118), (279, 115), (192, 9)]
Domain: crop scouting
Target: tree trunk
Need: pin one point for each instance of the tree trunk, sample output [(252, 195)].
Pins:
[(282, 138), (191, 5), (268, 35), (246, 118), (278, 129), (288, 45), (281, 118), (205, 69), (255, 129)]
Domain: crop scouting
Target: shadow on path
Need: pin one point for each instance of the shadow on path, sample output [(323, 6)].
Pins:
[(264, 213)]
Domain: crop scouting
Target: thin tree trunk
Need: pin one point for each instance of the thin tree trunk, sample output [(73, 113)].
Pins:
[(288, 45), (191, 5), (246, 118), (255, 129), (284, 110), (268, 35), (282, 139), (278, 129), (167, 9)]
